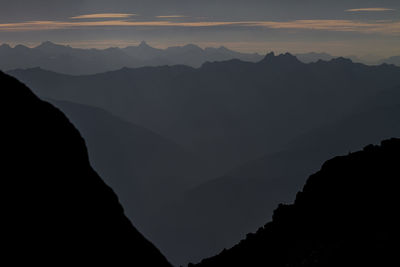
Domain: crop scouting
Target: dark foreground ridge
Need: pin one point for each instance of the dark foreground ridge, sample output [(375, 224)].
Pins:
[(346, 215), (57, 210)]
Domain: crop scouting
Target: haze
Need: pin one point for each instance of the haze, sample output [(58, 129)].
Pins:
[(353, 27)]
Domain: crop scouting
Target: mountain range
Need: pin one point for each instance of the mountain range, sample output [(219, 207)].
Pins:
[(395, 60), (59, 208), (255, 131), (244, 198), (77, 61), (225, 112)]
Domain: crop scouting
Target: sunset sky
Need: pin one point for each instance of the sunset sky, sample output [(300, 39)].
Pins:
[(341, 27)]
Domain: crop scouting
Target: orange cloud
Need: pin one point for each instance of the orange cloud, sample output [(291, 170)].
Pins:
[(373, 9), (382, 27), (52, 25), (104, 16), (171, 16)]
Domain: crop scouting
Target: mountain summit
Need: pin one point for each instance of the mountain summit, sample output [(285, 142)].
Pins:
[(57, 209), (143, 45), (282, 59), (48, 44)]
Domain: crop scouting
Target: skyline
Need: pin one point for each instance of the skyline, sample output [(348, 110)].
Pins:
[(369, 59), (343, 28)]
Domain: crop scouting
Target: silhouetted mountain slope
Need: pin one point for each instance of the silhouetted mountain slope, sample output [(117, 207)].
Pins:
[(56, 208), (346, 215), (221, 211), (228, 112), (143, 168), (66, 59)]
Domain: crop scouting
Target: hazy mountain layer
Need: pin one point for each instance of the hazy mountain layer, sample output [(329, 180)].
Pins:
[(220, 212), (227, 112), (392, 60), (77, 61), (231, 113), (143, 168)]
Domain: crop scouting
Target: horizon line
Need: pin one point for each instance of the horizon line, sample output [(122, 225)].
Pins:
[(181, 45)]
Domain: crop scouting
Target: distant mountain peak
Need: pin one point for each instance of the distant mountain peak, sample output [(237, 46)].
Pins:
[(47, 45), (144, 44), (270, 55), (21, 47), (286, 58), (341, 60), (287, 55), (223, 48), (5, 46), (192, 47)]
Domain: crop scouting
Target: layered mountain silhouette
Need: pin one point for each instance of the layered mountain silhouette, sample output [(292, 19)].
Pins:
[(228, 112), (257, 130), (56, 208), (368, 59), (395, 60), (78, 61), (346, 215), (221, 211), (314, 57), (65, 59)]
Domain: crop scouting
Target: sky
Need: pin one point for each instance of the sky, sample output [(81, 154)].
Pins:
[(340, 27)]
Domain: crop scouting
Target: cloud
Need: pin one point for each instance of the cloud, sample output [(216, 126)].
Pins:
[(379, 27), (103, 16), (373, 9), (54, 25), (172, 16)]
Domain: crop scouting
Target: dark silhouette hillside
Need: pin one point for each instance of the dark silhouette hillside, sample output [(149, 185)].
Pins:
[(238, 118), (346, 215), (143, 168), (56, 209)]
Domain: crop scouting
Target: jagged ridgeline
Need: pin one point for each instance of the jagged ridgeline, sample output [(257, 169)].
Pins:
[(346, 215), (56, 208)]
